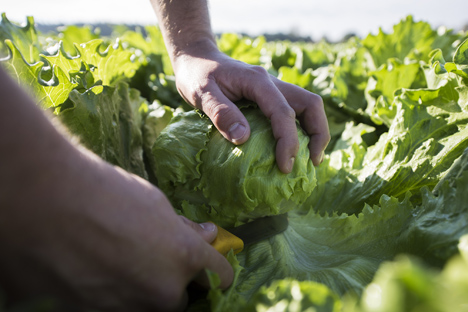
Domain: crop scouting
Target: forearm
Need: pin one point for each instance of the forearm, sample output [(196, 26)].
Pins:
[(28, 140), (62, 209), (76, 227), (185, 25), (45, 177)]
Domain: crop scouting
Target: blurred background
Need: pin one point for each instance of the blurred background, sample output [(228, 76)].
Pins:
[(331, 19)]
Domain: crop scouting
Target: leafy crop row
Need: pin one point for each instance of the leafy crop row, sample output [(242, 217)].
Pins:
[(385, 228)]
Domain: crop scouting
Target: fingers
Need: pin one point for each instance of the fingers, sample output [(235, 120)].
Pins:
[(226, 80), (281, 102), (224, 114), (204, 256), (217, 263), (283, 118), (311, 114), (208, 231)]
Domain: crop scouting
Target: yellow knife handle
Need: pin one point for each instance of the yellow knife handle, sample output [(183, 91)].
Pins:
[(225, 241)]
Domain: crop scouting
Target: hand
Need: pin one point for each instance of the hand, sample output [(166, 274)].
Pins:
[(118, 246), (85, 232), (212, 81)]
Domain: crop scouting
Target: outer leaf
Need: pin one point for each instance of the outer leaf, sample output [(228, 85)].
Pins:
[(24, 38), (149, 45), (441, 220), (242, 48), (180, 171), (109, 66), (107, 121), (294, 76), (408, 285), (460, 63), (343, 252), (428, 133), (383, 84), (48, 94), (461, 55), (154, 77), (281, 54), (339, 251), (312, 56), (294, 296), (72, 35), (155, 120), (409, 39)]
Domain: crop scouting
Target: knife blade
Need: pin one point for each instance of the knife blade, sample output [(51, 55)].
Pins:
[(238, 237)]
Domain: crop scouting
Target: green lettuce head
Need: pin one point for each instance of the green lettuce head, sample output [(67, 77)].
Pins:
[(208, 178)]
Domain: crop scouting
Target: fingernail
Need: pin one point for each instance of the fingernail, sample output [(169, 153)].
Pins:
[(322, 156), (291, 164), (208, 226), (237, 131)]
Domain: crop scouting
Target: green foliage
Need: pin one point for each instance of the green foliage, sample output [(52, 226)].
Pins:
[(108, 122), (380, 225), (408, 285), (209, 178), (410, 39), (71, 35), (242, 48), (50, 93), (25, 38), (108, 66)]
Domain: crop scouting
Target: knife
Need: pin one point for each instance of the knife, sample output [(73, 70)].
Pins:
[(238, 237)]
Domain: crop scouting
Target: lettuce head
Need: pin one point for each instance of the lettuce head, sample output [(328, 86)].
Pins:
[(208, 178)]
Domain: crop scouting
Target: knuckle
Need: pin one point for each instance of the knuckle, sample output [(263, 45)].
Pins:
[(222, 115), (288, 112), (216, 111), (195, 94), (306, 100), (282, 113), (259, 70), (200, 94), (316, 100)]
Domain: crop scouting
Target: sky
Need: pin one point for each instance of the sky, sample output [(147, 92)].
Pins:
[(331, 18)]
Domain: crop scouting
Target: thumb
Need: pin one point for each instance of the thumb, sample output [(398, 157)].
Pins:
[(225, 115), (208, 231)]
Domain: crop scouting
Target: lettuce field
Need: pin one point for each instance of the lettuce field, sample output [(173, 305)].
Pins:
[(380, 225)]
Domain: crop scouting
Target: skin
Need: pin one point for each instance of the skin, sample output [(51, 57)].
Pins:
[(211, 81), (86, 232)]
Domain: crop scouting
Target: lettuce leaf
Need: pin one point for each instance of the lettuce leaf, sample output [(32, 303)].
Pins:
[(25, 38), (108, 121), (209, 178), (49, 93), (394, 181), (409, 40), (407, 284)]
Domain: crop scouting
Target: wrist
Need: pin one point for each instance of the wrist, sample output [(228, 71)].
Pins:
[(200, 48)]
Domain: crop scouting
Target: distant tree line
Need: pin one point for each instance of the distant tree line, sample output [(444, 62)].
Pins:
[(107, 29)]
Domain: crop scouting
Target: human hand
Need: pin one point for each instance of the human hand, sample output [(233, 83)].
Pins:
[(211, 81), (96, 236)]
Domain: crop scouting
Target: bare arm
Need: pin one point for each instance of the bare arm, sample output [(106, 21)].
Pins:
[(76, 227), (184, 24), (211, 81)]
